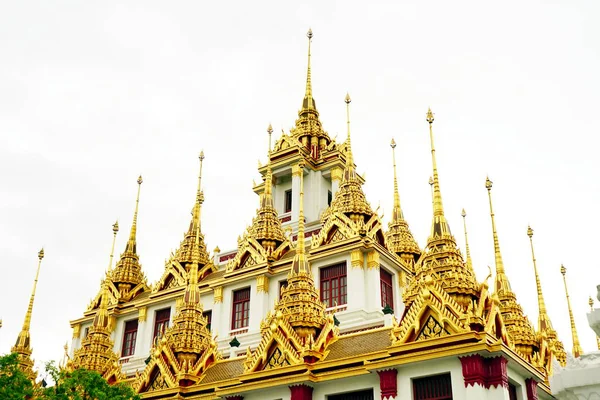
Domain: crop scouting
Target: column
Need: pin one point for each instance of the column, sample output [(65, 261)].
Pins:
[(388, 383), (301, 392), (355, 280), (296, 171), (473, 369), (372, 281), (262, 296)]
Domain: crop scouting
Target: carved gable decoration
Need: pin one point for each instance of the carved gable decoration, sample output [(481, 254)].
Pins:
[(176, 275), (432, 314), (431, 329), (338, 227)]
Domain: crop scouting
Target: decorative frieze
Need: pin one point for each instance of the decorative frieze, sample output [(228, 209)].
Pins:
[(486, 372), (388, 383)]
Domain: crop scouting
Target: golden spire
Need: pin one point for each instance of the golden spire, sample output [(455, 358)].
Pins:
[(112, 248), (23, 345), (591, 303), (128, 271), (308, 128), (502, 283), (399, 239), (442, 256), (349, 199), (131, 243), (464, 216), (308, 99), (577, 350), (544, 320), (300, 263)]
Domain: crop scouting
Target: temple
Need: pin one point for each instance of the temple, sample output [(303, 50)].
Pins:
[(320, 299)]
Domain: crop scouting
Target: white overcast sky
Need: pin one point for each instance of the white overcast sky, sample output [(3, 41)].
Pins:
[(94, 93)]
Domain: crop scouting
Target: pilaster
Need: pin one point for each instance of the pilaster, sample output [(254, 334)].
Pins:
[(531, 389), (336, 179), (474, 372)]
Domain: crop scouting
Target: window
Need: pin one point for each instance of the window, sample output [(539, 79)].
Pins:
[(282, 285), (85, 333), (241, 309), (361, 395), (129, 338), (512, 391), (288, 201), (333, 285), (329, 197), (208, 315), (437, 387), (161, 322), (387, 293)]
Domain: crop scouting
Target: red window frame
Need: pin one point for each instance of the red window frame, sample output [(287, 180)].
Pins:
[(287, 201), (437, 387), (129, 338), (512, 391), (333, 285), (161, 322), (240, 313), (208, 315), (387, 291)]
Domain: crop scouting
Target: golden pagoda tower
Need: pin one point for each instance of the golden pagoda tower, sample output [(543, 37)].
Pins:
[(399, 238), (308, 128), (23, 344), (127, 276), (518, 326), (187, 348), (577, 350), (186, 250), (545, 328), (97, 348), (350, 199), (442, 256), (591, 304)]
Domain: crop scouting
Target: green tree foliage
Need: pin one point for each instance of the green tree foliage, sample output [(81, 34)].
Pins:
[(75, 385), (14, 385)]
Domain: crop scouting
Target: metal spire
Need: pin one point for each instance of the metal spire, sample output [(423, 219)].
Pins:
[(577, 350), (397, 214), (131, 243), (115, 229), (544, 320), (464, 216)]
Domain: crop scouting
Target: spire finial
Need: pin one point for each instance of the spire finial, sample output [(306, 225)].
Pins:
[(541, 303), (199, 195), (577, 350), (300, 248), (115, 229), (269, 178), (469, 261), (270, 131), (308, 94), (27, 322), (131, 243), (498, 255), (349, 173), (397, 214)]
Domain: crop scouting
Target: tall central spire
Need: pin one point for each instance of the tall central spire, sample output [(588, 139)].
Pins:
[(577, 350), (131, 243), (399, 238), (308, 98), (308, 128), (23, 345)]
